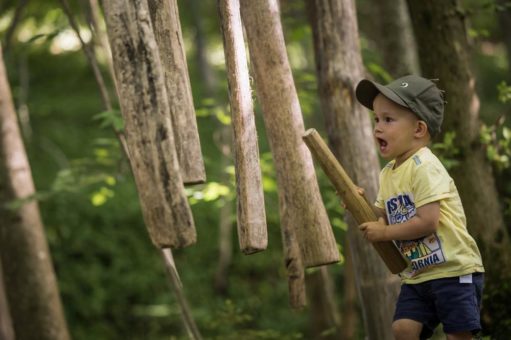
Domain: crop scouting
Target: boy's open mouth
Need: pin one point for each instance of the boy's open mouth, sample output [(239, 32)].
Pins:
[(382, 143)]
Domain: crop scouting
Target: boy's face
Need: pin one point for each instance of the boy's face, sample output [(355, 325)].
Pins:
[(395, 129)]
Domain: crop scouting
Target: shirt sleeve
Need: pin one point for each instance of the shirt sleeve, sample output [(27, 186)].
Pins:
[(431, 183)]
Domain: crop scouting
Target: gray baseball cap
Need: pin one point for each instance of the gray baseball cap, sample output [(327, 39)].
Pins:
[(418, 94)]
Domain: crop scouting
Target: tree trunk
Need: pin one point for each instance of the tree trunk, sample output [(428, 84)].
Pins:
[(339, 68), (325, 316), (306, 230), (393, 37), (251, 216), (209, 81), (349, 305), (6, 331), (167, 30), (149, 135), (447, 58), (504, 17), (29, 278)]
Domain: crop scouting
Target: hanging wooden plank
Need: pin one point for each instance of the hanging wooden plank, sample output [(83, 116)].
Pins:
[(251, 216), (167, 30), (355, 203), (148, 129), (301, 208)]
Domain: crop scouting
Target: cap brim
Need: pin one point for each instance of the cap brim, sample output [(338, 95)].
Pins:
[(367, 90)]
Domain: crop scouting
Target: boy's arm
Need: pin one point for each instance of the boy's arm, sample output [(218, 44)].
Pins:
[(424, 223), (379, 212)]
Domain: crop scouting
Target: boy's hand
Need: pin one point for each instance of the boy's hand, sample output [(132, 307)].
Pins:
[(374, 231), (360, 191)]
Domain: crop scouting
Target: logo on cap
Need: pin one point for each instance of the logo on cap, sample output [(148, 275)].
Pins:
[(404, 84)]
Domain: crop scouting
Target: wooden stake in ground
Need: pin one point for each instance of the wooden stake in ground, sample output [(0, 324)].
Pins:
[(252, 231), (167, 30), (29, 277), (355, 203), (149, 136)]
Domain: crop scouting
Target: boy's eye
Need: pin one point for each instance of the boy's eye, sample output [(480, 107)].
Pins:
[(388, 119)]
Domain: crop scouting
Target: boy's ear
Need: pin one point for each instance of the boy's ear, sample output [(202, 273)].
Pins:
[(421, 129)]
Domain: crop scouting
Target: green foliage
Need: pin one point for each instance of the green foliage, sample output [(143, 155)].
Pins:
[(447, 151), (110, 119), (497, 137), (504, 92)]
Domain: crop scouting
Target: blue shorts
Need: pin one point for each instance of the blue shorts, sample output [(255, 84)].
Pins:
[(456, 305)]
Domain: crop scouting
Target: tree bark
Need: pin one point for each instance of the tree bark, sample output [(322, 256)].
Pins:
[(251, 216), (6, 331), (325, 316), (393, 37), (208, 77), (149, 135), (339, 68), (447, 59), (504, 17), (349, 305), (29, 278), (167, 30)]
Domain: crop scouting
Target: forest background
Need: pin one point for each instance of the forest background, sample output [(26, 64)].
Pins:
[(111, 279)]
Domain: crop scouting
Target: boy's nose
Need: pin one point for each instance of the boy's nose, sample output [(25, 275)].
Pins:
[(377, 127)]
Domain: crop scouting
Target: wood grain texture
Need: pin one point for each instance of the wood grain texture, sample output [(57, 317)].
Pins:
[(301, 208), (355, 203), (167, 31), (148, 128), (251, 215)]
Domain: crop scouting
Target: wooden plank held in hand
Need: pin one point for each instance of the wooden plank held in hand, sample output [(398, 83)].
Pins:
[(355, 203)]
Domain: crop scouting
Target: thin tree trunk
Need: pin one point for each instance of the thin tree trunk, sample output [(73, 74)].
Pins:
[(307, 234), (394, 38), (29, 278), (504, 17), (447, 59), (167, 30), (100, 34), (349, 305), (339, 68), (251, 216), (208, 77), (325, 316), (6, 330), (18, 12), (175, 282), (149, 135), (221, 283)]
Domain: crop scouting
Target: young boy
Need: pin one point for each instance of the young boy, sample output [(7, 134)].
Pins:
[(420, 202)]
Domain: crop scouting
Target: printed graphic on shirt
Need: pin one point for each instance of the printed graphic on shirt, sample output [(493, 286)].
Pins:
[(423, 252)]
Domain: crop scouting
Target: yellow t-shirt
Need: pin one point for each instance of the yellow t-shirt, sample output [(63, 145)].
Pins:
[(448, 252)]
